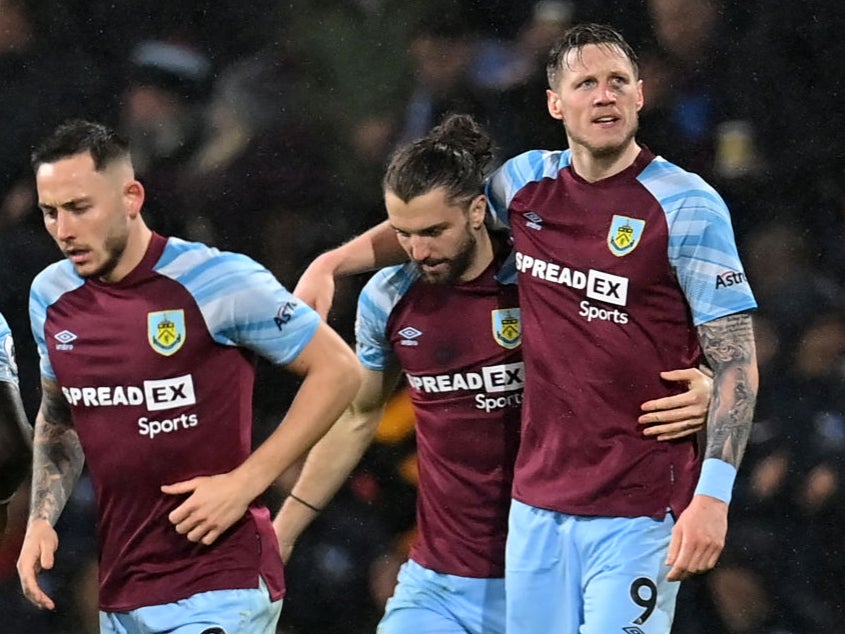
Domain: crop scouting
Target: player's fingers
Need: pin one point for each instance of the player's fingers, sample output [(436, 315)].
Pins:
[(47, 559), (682, 375), (176, 488), (34, 593), (671, 431), (210, 537)]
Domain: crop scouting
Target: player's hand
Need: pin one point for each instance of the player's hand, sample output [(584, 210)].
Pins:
[(698, 537), (285, 547), (37, 554), (681, 414), (214, 504), (316, 287)]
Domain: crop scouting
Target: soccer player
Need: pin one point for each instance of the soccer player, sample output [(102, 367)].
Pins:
[(147, 349), (15, 431), (626, 264), (450, 321)]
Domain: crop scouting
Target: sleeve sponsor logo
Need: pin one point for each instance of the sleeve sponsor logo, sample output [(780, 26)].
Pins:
[(285, 314), (729, 278), (166, 331)]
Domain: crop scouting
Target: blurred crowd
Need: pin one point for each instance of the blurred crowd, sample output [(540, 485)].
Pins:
[(264, 128)]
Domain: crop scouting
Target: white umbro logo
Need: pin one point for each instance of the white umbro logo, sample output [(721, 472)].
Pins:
[(534, 221), (64, 338), (409, 334)]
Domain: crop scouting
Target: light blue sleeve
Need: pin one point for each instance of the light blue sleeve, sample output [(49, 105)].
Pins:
[(504, 183), (702, 248), (8, 365), (377, 300), (241, 301), (47, 287)]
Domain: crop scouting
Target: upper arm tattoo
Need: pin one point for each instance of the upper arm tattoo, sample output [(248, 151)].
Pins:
[(728, 345), (58, 456)]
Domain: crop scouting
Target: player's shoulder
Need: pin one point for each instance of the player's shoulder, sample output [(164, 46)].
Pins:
[(388, 285), (181, 257), (673, 185), (54, 281), (536, 164), (393, 280)]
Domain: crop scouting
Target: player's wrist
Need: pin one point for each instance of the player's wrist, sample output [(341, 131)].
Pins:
[(716, 480), (305, 503)]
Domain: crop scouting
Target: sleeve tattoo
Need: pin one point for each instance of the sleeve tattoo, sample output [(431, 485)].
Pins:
[(58, 456), (728, 345)]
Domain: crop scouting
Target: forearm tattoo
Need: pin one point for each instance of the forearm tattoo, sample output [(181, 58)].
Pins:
[(728, 345), (58, 457)]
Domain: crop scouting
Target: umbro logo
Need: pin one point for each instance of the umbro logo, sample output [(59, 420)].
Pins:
[(632, 630), (64, 338), (409, 335), (534, 221)]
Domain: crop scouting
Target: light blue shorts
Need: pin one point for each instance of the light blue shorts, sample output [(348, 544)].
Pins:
[(571, 574), (246, 611), (428, 602)]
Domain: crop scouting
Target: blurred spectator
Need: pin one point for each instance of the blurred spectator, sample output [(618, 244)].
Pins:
[(43, 82), (162, 117), (522, 121), (687, 91), (788, 285), (442, 48)]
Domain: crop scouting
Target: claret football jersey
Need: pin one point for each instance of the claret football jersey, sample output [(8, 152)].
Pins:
[(158, 372), (459, 346), (614, 276)]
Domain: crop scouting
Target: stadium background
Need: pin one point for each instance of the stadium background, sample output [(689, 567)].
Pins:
[(263, 127)]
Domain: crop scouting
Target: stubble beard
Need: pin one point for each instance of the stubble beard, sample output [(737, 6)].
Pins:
[(113, 248), (457, 265)]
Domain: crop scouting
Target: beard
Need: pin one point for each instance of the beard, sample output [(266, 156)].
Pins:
[(113, 248), (455, 266)]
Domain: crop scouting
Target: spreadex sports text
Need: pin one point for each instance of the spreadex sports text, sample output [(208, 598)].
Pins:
[(153, 395), (501, 384)]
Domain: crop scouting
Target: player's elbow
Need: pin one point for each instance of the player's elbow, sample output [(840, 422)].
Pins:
[(348, 374)]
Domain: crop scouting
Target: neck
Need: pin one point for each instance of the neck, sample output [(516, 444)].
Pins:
[(594, 168)]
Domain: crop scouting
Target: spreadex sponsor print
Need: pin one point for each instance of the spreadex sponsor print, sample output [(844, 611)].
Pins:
[(154, 395), (597, 285), (501, 384)]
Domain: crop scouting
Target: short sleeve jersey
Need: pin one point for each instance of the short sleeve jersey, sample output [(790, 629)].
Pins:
[(8, 365), (459, 346), (158, 371), (613, 278)]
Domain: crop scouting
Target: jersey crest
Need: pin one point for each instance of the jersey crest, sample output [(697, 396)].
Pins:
[(507, 327), (624, 234), (166, 331)]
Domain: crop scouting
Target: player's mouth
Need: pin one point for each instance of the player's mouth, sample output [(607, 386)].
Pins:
[(606, 122), (77, 256)]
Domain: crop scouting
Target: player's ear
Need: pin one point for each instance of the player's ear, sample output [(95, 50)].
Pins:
[(133, 195), (477, 211), (554, 105)]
